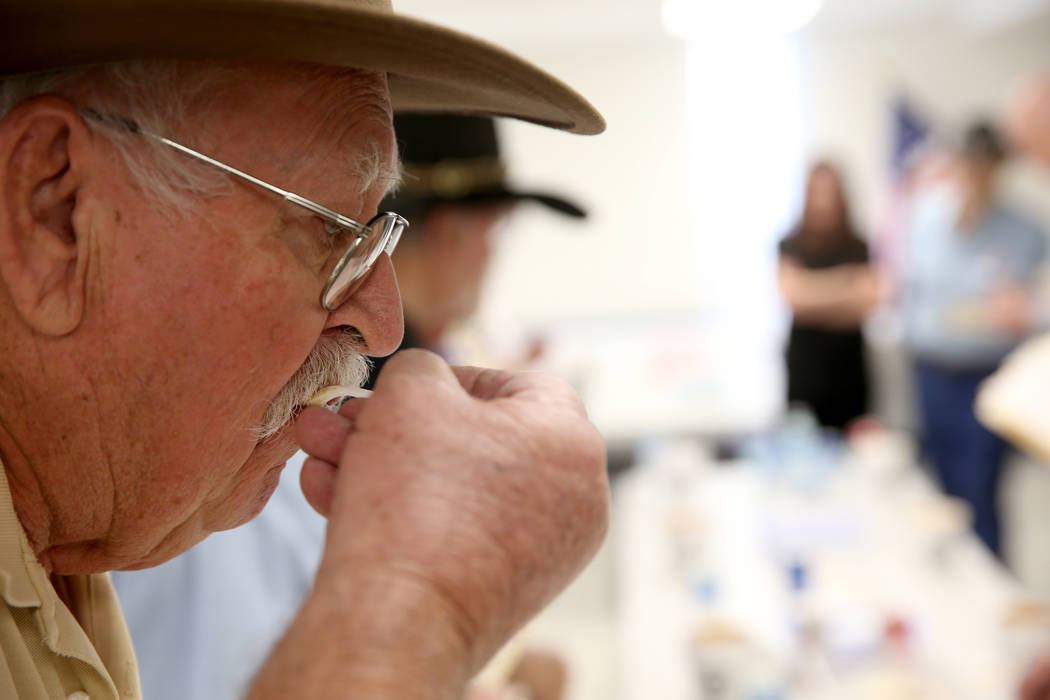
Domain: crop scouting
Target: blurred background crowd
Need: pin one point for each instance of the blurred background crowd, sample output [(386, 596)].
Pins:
[(816, 237)]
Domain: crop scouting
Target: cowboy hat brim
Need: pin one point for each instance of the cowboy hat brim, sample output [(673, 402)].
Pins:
[(430, 68)]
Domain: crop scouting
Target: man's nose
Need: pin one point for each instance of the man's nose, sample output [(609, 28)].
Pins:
[(374, 310)]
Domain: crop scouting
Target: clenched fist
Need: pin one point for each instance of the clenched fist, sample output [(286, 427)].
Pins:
[(460, 501)]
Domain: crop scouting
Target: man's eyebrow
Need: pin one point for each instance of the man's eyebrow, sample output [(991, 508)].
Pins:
[(373, 169)]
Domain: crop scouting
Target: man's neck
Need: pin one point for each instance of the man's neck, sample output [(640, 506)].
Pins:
[(41, 471)]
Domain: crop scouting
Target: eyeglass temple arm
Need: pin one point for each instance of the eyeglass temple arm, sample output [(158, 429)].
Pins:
[(323, 212)]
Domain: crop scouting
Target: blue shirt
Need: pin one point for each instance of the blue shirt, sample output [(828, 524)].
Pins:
[(204, 622), (950, 273)]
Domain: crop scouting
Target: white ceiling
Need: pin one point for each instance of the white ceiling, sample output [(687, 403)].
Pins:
[(523, 22), (973, 14)]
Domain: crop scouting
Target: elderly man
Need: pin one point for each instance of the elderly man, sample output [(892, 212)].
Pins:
[(203, 622), (168, 306), (457, 195)]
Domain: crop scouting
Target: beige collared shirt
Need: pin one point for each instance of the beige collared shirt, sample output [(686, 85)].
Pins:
[(50, 650)]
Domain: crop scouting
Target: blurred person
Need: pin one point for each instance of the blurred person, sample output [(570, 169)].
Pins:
[(827, 279), (1028, 119), (168, 308), (456, 191), (204, 622), (967, 300)]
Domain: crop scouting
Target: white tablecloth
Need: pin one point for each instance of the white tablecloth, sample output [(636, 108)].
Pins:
[(706, 549)]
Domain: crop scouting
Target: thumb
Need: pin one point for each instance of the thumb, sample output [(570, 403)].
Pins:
[(415, 365)]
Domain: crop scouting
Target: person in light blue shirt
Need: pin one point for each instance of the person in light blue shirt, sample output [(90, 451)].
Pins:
[(967, 301), (212, 644)]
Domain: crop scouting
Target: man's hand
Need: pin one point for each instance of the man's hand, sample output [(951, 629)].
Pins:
[(460, 501), (502, 693)]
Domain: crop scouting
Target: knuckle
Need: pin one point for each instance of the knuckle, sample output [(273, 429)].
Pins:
[(410, 360)]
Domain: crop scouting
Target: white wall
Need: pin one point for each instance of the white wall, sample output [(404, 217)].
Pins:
[(641, 254), (633, 254), (949, 71)]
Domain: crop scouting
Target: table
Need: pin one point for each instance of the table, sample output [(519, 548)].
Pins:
[(809, 572)]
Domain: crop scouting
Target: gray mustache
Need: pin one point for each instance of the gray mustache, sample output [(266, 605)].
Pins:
[(335, 360)]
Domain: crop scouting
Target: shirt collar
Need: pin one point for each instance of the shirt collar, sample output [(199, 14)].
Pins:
[(25, 584), (21, 575)]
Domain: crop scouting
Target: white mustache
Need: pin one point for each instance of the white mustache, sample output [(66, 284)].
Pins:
[(335, 360)]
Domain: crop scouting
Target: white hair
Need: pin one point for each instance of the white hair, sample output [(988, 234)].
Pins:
[(373, 170), (153, 94), (158, 96)]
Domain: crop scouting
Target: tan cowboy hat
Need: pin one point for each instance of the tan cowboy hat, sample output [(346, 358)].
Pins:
[(431, 68)]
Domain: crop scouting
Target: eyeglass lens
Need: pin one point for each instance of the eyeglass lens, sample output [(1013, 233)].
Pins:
[(352, 270)]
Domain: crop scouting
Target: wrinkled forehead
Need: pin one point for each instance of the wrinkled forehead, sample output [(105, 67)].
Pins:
[(281, 112), (301, 116)]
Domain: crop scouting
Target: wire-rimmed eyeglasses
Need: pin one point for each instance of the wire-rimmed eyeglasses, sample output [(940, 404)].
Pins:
[(378, 236)]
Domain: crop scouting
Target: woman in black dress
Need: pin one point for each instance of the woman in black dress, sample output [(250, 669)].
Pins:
[(825, 275)]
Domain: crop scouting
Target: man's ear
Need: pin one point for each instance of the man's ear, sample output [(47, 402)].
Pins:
[(44, 146)]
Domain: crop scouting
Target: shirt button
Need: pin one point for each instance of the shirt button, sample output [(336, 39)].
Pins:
[(79, 695)]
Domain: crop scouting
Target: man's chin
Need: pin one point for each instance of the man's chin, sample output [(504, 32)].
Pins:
[(236, 510), (270, 480), (273, 453), (253, 504)]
